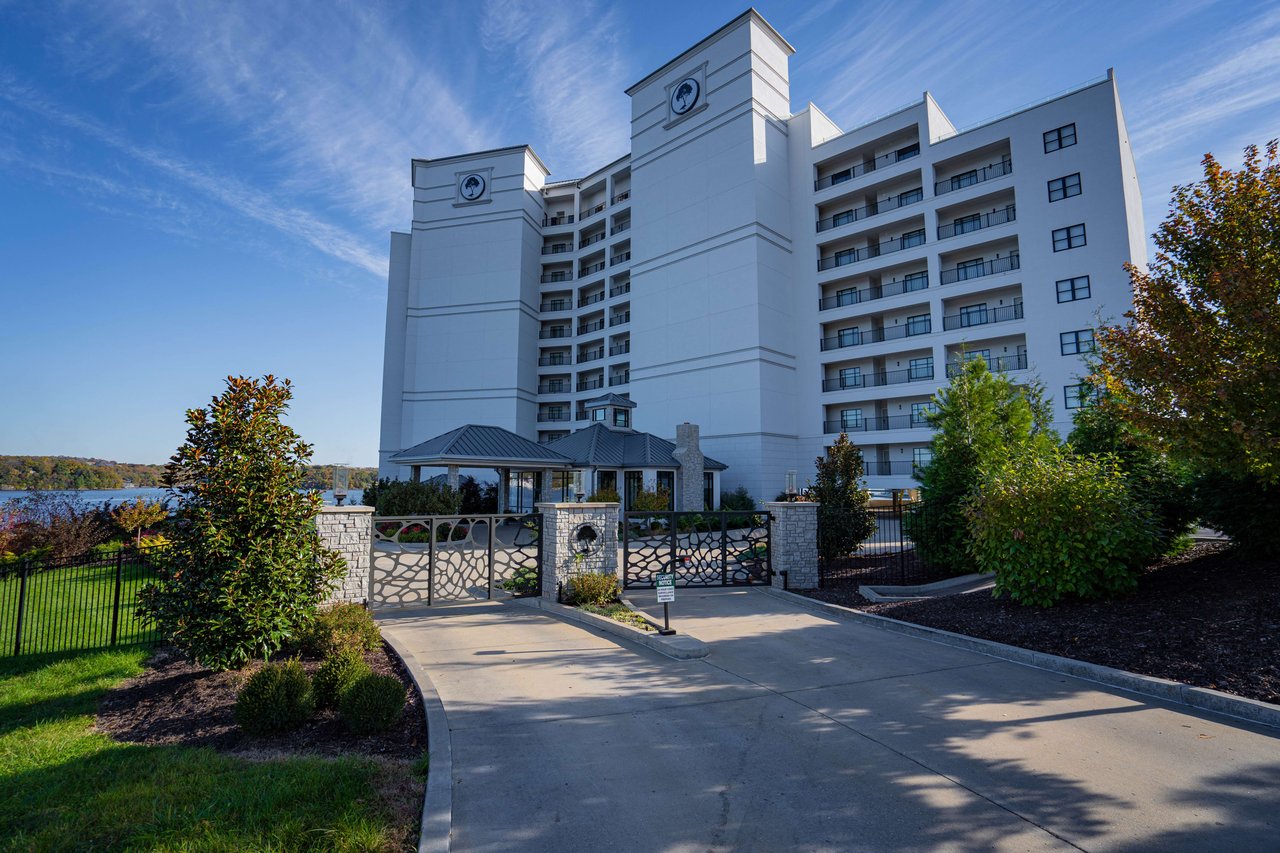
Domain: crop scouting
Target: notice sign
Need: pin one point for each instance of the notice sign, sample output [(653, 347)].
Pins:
[(666, 588)]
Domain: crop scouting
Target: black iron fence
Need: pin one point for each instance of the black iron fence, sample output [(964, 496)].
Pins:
[(724, 548), (887, 556), (74, 603)]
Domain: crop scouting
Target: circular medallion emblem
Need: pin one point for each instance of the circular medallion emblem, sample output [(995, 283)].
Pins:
[(684, 96), (471, 187)]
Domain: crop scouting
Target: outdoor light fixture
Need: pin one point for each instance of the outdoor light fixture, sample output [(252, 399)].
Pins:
[(578, 490), (791, 483), (341, 479)]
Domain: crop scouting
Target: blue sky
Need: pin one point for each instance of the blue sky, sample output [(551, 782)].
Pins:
[(189, 190)]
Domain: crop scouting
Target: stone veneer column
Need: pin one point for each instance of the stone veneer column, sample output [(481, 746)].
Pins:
[(349, 531), (692, 463), (793, 543), (560, 523)]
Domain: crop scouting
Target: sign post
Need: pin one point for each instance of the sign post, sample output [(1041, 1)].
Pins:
[(666, 586)]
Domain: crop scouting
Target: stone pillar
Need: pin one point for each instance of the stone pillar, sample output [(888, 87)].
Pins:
[(793, 543), (561, 523), (349, 531), (688, 456), (453, 477)]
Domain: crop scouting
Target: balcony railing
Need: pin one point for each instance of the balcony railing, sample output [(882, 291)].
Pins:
[(884, 205), (554, 388), (620, 227), (591, 211), (557, 359), (973, 176), (593, 326), (622, 196), (553, 417), (556, 305), (852, 256), (619, 319), (580, 415), (620, 378), (877, 378), (557, 332), (591, 300), (594, 238), (559, 219), (592, 268), (556, 276), (910, 284), (876, 424), (977, 223), (868, 166), (619, 259), (618, 290), (982, 317), (591, 355), (590, 384), (964, 272), (995, 364), (557, 249), (874, 336), (620, 349), (879, 468)]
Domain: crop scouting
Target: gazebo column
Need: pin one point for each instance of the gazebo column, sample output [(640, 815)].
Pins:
[(504, 487), (544, 493), (453, 477), (415, 473)]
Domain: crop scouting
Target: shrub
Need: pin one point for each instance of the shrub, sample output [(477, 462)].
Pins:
[(1244, 508), (658, 500), (58, 524), (134, 517), (592, 588), (372, 704), (476, 498), (605, 495), (245, 567), (276, 698), (844, 512), (341, 626), (523, 581), (409, 497), (1052, 525), (739, 499), (341, 669)]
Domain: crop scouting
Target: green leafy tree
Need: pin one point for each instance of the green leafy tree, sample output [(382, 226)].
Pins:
[(658, 500), (133, 516), (844, 514), (1197, 365), (413, 497), (246, 567), (981, 419)]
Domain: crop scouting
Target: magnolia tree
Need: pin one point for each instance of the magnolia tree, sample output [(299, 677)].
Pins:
[(844, 511), (246, 567)]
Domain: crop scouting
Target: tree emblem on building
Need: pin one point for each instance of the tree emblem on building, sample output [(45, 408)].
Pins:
[(684, 96), (472, 187)]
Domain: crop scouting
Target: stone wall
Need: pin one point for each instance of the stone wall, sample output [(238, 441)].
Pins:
[(349, 531), (561, 523), (793, 543)]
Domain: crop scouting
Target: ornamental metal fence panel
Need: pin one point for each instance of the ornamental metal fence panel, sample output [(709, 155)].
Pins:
[(74, 603), (889, 555), (702, 549)]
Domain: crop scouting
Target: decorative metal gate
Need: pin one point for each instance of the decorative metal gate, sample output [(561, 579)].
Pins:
[(700, 548), (428, 559)]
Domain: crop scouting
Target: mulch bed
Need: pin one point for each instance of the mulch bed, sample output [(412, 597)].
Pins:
[(177, 702), (1208, 618)]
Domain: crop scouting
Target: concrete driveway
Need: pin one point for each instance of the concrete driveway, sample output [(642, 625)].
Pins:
[(800, 732)]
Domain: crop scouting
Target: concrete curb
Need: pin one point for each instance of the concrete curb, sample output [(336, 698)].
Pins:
[(437, 802), (1200, 698), (678, 647)]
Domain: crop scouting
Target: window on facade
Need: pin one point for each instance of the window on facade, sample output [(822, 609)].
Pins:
[(920, 368), (841, 176), (708, 490), (554, 413), (850, 419), (1074, 343), (851, 377), (1079, 396), (969, 269), (921, 456), (918, 324), (913, 238), (972, 354), (965, 179), (1060, 188), (848, 337), (847, 296), (916, 281), (973, 315), (1071, 237), (1073, 289), (1059, 137), (847, 256), (910, 196), (842, 218), (667, 480), (920, 413), (621, 418), (908, 151), (965, 224)]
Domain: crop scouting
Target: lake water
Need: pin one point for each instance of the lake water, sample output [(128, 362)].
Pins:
[(118, 496)]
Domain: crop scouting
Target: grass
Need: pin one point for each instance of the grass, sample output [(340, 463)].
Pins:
[(619, 613), (64, 786), (71, 608)]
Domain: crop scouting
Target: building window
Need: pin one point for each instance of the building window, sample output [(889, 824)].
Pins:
[(1074, 343), (910, 197), (974, 354), (848, 337), (1060, 137), (841, 176), (969, 269), (920, 413), (913, 238), (907, 151), (973, 315), (847, 256), (851, 377), (918, 325), (965, 224), (634, 482), (1071, 237), (667, 480), (850, 419), (599, 415), (847, 296), (1079, 396), (920, 457), (621, 418), (1073, 289), (965, 179), (708, 490), (915, 281), (842, 219), (920, 368), (1060, 188)]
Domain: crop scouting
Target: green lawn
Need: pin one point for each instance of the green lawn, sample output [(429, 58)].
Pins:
[(63, 786), (71, 608)]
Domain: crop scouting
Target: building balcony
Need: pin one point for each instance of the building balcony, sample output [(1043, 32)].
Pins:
[(620, 378), (877, 207), (554, 360), (556, 305), (593, 326), (877, 378), (554, 388), (619, 259), (976, 223), (852, 256), (589, 269), (855, 296), (922, 326), (590, 384), (876, 424), (996, 364), (860, 169), (561, 219), (553, 417), (591, 300), (973, 176), (591, 211), (620, 349), (619, 319), (982, 317), (591, 355), (620, 227), (979, 269), (587, 241), (619, 289), (884, 468), (557, 249), (557, 332), (548, 277), (622, 196)]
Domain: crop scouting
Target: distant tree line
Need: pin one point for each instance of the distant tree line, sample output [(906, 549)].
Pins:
[(49, 473)]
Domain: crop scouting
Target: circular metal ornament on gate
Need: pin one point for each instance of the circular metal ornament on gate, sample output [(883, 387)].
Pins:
[(584, 541)]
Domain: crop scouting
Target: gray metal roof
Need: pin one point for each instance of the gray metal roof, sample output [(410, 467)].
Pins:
[(481, 446), (610, 400), (599, 446)]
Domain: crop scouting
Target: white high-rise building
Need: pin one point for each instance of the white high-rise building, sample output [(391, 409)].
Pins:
[(761, 272)]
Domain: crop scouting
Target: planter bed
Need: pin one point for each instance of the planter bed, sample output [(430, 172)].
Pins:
[(1207, 618)]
